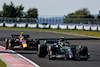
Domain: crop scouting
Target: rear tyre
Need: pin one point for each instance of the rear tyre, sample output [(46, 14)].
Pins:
[(84, 59), (37, 43), (83, 51), (42, 50), (77, 57), (11, 44), (6, 43)]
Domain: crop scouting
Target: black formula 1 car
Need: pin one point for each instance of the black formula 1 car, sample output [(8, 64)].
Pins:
[(62, 49), (17, 42)]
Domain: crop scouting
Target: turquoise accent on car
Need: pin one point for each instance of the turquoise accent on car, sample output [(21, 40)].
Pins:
[(85, 56), (62, 51), (53, 56)]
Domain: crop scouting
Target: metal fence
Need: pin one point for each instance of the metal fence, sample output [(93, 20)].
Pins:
[(53, 20), (95, 21)]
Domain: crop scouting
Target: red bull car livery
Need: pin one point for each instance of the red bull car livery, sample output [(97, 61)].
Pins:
[(21, 42)]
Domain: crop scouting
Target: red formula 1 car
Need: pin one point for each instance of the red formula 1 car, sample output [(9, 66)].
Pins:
[(21, 42)]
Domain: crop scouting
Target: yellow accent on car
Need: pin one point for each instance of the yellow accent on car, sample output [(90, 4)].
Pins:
[(24, 45), (67, 47)]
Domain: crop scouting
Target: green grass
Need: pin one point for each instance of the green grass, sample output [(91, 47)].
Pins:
[(2, 64), (80, 32)]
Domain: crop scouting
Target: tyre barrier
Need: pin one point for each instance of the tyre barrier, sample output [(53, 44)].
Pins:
[(21, 25), (53, 26), (43, 26), (98, 28), (87, 27), (71, 26), (9, 24), (79, 27), (32, 25), (94, 28), (1, 24), (63, 27)]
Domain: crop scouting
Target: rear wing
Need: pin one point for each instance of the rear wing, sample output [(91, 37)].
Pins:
[(17, 36)]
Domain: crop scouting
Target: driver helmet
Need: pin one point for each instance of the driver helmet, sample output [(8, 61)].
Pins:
[(21, 36), (62, 39), (21, 33)]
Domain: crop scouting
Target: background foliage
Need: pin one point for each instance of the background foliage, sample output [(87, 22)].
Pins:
[(17, 11)]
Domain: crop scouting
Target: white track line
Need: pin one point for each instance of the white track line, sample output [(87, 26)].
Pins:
[(34, 64)]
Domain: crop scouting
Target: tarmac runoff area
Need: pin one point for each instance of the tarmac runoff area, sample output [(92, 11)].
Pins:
[(13, 59)]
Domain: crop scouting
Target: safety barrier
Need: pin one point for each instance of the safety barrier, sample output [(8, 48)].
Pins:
[(9, 24), (79, 27), (94, 28), (32, 25), (54, 26), (21, 25), (1, 24), (87, 27), (63, 27), (98, 28), (43, 26), (71, 26)]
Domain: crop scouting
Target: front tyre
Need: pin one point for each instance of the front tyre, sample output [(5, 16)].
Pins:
[(42, 50)]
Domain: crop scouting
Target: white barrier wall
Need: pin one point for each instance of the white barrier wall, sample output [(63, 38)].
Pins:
[(54, 26), (21, 25), (87, 27), (43, 26), (63, 27), (1, 24), (79, 27), (32, 25), (71, 26), (98, 28), (9, 24), (94, 28)]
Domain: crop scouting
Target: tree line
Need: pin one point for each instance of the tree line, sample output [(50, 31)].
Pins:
[(81, 13), (17, 11)]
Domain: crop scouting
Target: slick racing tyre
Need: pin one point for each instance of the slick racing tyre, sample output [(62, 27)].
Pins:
[(83, 51), (11, 44), (42, 50), (36, 44), (6, 43), (77, 57)]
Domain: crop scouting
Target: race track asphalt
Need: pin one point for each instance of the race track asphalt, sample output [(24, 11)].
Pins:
[(93, 46)]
